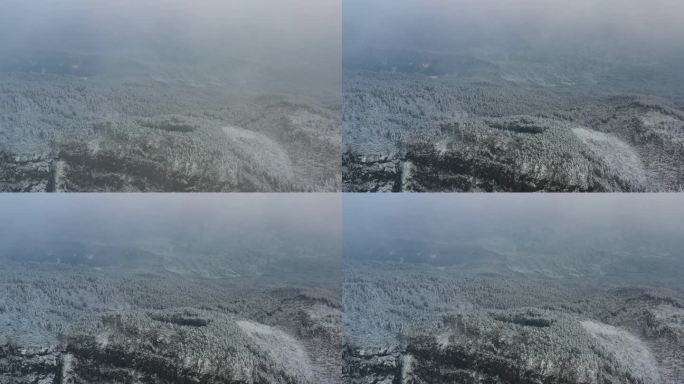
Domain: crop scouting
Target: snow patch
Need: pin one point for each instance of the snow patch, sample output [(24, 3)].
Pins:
[(261, 150), (283, 348), (102, 339), (67, 364), (654, 118), (443, 340), (627, 349), (616, 154), (407, 171)]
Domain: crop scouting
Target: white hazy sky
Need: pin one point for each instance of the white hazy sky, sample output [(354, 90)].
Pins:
[(135, 216), (628, 23), (295, 42), (233, 23), (451, 214)]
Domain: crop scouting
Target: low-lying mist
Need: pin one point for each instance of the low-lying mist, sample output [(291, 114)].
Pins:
[(197, 235), (268, 45), (553, 235), (621, 26)]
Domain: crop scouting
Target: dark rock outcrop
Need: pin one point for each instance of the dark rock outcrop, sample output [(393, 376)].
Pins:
[(26, 173), (19, 365)]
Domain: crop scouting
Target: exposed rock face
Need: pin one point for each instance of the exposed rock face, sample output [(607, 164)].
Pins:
[(25, 173), (372, 173), (29, 365), (368, 365)]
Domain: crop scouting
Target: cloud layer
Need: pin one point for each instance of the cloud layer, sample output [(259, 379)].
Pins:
[(630, 24)]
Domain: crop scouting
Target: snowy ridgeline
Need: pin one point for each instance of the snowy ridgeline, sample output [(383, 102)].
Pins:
[(73, 322), (486, 130), (433, 323), (61, 132)]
